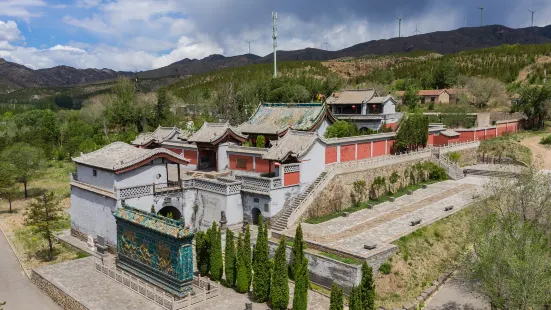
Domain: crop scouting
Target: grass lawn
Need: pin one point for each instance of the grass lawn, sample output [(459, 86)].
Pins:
[(364, 205), (424, 255), (30, 247)]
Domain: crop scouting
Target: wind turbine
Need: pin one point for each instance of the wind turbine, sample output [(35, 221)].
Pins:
[(416, 31), (532, 16), (326, 43), (399, 26), (249, 44), (481, 9)]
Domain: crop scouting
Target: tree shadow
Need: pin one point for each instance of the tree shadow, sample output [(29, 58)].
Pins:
[(452, 305), (35, 192)]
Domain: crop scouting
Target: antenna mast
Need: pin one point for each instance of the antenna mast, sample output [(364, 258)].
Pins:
[(481, 9), (274, 37)]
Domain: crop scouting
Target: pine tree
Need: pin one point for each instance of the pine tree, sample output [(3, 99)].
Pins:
[(280, 281), (242, 282), (216, 262), (353, 301), (247, 257), (300, 297), (261, 264), (230, 262), (337, 302), (44, 215), (366, 289), (297, 256)]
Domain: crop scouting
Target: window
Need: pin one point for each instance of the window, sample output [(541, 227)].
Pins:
[(266, 207), (256, 200), (94, 172), (432, 99), (241, 163)]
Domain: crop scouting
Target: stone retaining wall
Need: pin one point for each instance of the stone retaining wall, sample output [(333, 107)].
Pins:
[(57, 294), (336, 195), (469, 156)]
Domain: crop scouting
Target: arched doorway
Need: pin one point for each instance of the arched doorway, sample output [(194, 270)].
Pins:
[(255, 213), (176, 214)]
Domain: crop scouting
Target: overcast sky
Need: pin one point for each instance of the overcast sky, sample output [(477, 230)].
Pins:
[(144, 34)]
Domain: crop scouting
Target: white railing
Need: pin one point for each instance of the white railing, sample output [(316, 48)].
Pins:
[(134, 191), (385, 158), (452, 169), (458, 146), (203, 289), (258, 183), (287, 168)]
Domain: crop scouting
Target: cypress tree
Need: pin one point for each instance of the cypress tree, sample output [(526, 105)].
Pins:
[(241, 277), (247, 257), (300, 297), (202, 251), (353, 301), (280, 281), (230, 262), (216, 262), (336, 302), (261, 265), (366, 289), (297, 256)]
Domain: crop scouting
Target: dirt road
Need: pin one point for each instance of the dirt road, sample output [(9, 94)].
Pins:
[(541, 155)]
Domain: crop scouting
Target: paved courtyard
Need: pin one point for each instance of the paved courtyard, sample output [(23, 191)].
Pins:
[(96, 291), (389, 221)]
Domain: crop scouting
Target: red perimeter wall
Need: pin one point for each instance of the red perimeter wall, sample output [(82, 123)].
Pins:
[(364, 150), (348, 153), (330, 155), (379, 148), (262, 165), (191, 155), (233, 162)]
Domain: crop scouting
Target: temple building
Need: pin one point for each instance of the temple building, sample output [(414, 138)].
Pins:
[(365, 108)]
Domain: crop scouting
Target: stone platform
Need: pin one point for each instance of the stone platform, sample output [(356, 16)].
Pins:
[(389, 221)]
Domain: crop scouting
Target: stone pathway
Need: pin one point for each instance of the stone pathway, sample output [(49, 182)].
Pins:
[(455, 296), (389, 221)]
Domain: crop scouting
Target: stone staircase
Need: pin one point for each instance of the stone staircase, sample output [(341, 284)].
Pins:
[(452, 169), (293, 203)]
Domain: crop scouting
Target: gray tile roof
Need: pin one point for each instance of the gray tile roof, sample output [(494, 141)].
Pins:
[(449, 133), (379, 100), (120, 155), (352, 96), (211, 132), (162, 134), (275, 118), (294, 143)]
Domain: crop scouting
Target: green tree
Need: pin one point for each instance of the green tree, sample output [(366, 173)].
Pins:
[(8, 182), (393, 179), (413, 132), (261, 141), (247, 256), (261, 264), (43, 215), (444, 75), (302, 282), (354, 302), (280, 281), (341, 129), (297, 255), (510, 259), (216, 262), (162, 109), (534, 102), (411, 97), (202, 251), (27, 160), (242, 280), (336, 301), (366, 289), (230, 263)]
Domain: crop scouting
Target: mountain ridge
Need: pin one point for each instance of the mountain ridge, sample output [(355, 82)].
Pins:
[(15, 76)]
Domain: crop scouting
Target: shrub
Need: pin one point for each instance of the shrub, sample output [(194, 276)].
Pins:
[(297, 255), (454, 157), (202, 251), (385, 268), (359, 192), (216, 262), (336, 302), (437, 173), (546, 140), (366, 289), (247, 255), (242, 281), (261, 265), (230, 262), (300, 298), (153, 209)]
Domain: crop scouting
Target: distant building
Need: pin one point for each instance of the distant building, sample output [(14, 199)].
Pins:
[(436, 96), (365, 108)]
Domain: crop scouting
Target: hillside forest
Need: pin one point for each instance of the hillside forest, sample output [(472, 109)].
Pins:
[(63, 122)]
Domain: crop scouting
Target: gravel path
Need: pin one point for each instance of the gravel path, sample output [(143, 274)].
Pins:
[(540, 153)]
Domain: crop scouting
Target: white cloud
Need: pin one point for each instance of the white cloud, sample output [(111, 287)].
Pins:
[(187, 48), (20, 8), (87, 3), (9, 31), (67, 48)]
